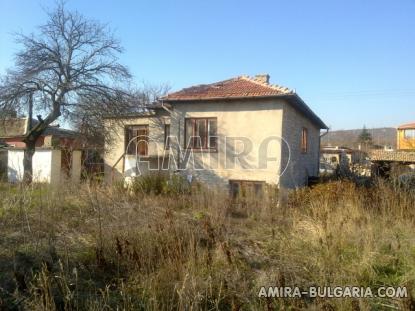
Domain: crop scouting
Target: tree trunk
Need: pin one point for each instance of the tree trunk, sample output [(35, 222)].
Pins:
[(32, 136), (27, 162), (30, 147)]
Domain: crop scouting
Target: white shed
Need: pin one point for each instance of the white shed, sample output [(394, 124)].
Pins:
[(49, 165)]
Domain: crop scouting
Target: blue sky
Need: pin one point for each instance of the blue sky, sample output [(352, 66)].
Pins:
[(352, 61)]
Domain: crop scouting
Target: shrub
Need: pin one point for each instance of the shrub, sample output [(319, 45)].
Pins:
[(160, 184)]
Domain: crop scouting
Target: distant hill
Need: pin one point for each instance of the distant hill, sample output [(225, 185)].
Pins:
[(385, 136)]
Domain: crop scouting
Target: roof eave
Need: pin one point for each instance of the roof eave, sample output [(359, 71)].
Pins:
[(131, 116), (198, 99), (406, 127), (158, 105), (303, 107), (300, 104)]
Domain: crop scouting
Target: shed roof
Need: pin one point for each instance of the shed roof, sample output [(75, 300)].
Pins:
[(406, 126)]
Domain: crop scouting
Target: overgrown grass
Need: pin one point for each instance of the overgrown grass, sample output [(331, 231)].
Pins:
[(157, 248)]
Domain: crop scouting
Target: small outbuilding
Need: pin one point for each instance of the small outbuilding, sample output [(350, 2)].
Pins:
[(57, 156)]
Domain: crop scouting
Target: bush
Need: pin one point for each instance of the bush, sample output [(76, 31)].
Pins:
[(407, 180), (160, 184)]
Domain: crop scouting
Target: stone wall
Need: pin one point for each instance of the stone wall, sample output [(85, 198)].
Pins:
[(300, 165)]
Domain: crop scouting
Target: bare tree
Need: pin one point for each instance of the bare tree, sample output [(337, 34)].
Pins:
[(6, 112), (150, 92), (69, 58), (91, 111), (88, 117)]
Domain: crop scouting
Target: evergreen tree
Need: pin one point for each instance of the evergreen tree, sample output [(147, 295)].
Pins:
[(365, 138)]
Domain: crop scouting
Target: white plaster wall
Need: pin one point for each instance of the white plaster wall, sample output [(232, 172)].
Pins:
[(42, 160), (15, 165), (130, 166), (116, 148), (42, 165), (256, 120)]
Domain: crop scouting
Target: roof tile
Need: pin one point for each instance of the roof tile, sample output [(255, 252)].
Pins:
[(392, 156), (238, 87)]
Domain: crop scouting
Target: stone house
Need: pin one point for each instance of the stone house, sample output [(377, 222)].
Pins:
[(241, 132)]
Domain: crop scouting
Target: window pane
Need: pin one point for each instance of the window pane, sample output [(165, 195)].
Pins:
[(200, 133), (212, 130), (167, 136), (259, 189), (136, 139), (130, 145), (304, 142), (189, 133), (409, 134), (196, 137), (234, 189)]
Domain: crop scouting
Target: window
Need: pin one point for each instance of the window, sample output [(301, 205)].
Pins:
[(246, 189), (234, 189), (201, 133), (136, 140), (166, 136), (409, 134), (304, 140)]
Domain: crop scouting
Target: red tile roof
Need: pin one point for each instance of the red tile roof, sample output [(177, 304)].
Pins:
[(239, 87), (407, 126)]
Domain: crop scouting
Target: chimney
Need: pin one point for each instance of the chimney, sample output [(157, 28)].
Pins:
[(264, 78)]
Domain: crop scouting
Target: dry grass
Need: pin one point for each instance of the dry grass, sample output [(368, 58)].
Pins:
[(97, 248)]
